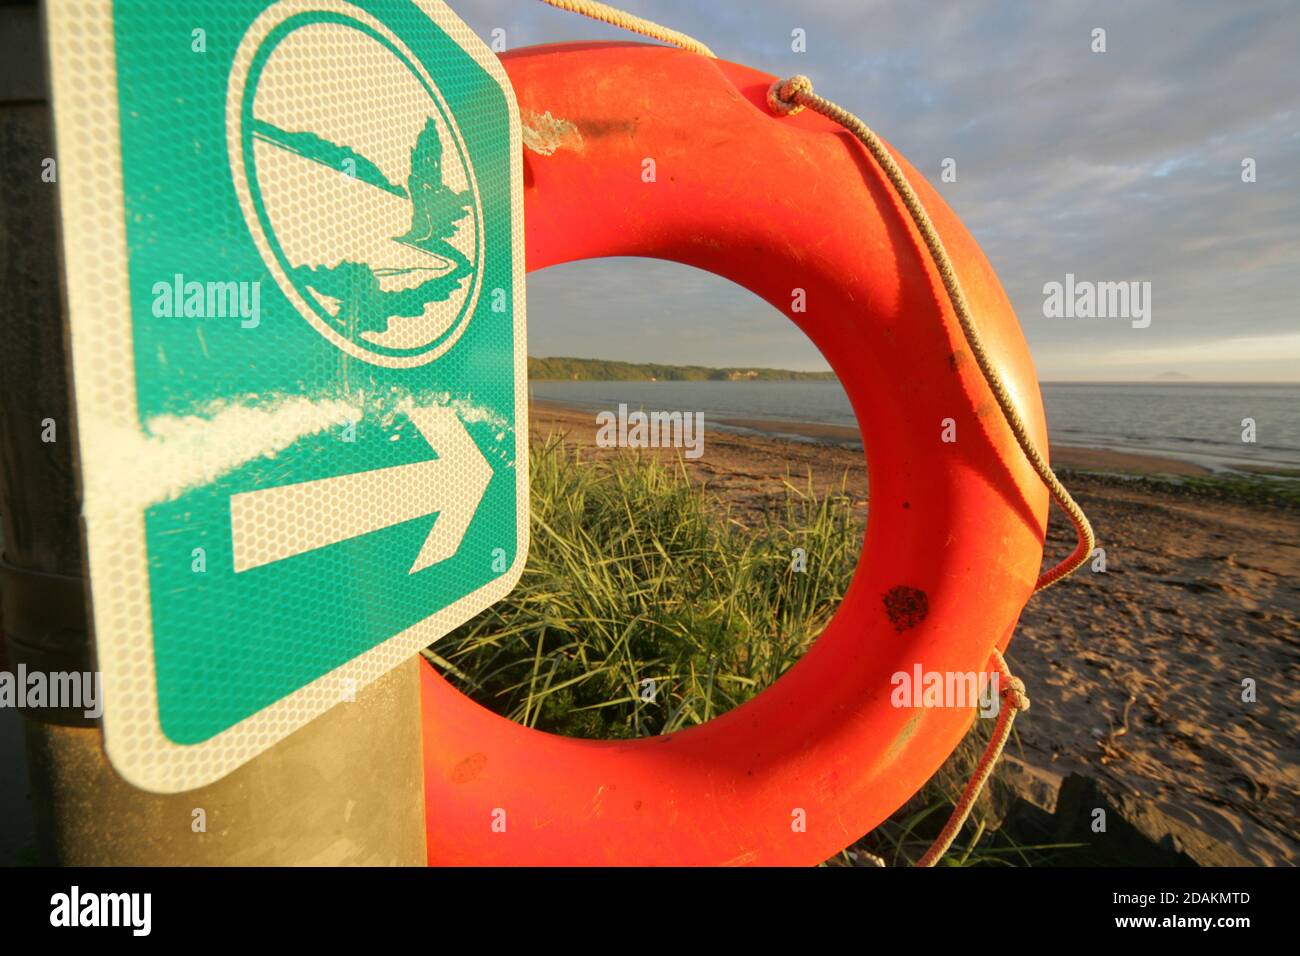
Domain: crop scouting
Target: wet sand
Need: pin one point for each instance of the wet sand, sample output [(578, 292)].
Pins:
[(1136, 675)]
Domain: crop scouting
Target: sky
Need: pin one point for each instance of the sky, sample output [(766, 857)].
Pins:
[(1122, 166)]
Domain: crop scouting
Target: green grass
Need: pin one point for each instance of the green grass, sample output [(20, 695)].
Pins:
[(633, 575), (637, 573), (1279, 491)]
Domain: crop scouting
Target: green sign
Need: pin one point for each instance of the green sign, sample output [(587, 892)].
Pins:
[(294, 255)]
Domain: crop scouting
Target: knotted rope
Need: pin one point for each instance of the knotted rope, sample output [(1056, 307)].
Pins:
[(1012, 700)]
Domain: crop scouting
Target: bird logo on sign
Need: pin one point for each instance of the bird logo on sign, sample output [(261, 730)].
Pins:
[(355, 182)]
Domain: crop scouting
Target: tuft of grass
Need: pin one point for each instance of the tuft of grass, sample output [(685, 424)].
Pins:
[(635, 574), (1280, 490)]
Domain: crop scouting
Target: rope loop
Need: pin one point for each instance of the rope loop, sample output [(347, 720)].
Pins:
[(784, 97)]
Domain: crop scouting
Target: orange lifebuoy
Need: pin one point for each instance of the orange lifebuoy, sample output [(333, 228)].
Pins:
[(955, 529)]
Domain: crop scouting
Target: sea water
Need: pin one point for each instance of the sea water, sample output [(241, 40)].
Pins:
[(1200, 423)]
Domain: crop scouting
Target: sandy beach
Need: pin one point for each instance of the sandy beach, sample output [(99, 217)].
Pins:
[(1136, 675)]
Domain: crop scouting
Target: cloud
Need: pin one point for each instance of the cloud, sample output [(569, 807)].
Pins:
[(1123, 165)]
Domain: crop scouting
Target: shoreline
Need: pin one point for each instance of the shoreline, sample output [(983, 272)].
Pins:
[(1070, 457)]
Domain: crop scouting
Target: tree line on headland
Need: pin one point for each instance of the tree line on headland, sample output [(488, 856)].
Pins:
[(602, 370)]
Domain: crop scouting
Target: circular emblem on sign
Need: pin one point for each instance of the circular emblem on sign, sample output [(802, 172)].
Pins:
[(355, 182)]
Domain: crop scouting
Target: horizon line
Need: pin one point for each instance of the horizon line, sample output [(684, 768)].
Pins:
[(1177, 378)]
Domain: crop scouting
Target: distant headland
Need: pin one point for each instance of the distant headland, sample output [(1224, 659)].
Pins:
[(602, 370)]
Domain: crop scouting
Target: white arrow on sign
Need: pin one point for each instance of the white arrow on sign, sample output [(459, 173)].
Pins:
[(276, 523)]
